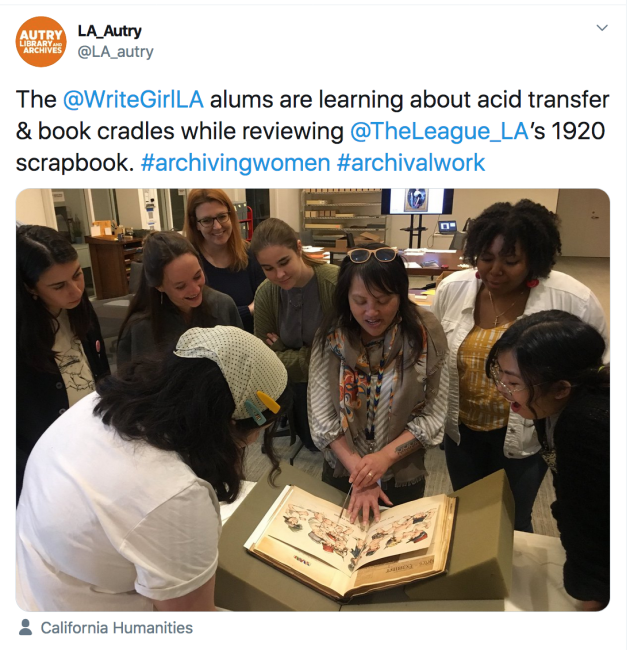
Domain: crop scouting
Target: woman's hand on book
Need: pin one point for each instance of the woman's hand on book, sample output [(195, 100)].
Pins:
[(369, 469), (366, 499)]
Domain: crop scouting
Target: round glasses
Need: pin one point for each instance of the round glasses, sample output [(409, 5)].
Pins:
[(208, 222), (362, 255), (506, 391)]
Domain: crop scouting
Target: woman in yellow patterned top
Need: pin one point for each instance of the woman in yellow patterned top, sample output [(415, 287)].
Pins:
[(514, 248)]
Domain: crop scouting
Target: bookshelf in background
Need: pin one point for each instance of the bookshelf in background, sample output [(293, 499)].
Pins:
[(327, 213)]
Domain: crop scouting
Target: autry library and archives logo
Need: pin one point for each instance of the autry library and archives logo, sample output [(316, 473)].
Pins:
[(41, 41)]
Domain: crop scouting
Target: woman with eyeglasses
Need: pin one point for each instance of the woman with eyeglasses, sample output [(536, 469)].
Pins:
[(172, 298), (212, 227), (290, 305), (377, 387), (513, 248), (549, 368), (60, 350)]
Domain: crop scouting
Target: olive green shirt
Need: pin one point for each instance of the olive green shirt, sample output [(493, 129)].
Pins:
[(267, 312)]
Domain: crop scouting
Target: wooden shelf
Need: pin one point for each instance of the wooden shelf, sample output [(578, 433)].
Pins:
[(110, 259)]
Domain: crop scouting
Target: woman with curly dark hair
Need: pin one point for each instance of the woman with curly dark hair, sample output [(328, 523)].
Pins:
[(377, 386), (513, 248), (549, 367), (120, 509), (60, 350)]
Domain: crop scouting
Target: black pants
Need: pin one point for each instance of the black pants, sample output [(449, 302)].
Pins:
[(298, 415), (480, 453), (397, 495)]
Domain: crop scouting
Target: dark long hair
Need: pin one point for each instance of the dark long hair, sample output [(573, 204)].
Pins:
[(38, 249), (529, 224), (552, 346), (385, 277), (158, 250), (184, 405)]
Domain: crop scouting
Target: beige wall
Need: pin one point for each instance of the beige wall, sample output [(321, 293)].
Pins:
[(467, 204), (584, 223), (35, 207), (285, 205)]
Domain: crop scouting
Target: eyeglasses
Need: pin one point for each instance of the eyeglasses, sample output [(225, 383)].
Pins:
[(361, 255), (208, 222), (496, 373)]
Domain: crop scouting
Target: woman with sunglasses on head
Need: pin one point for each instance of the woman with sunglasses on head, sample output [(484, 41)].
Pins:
[(377, 390), (549, 368), (290, 306), (513, 248), (212, 227), (120, 505), (60, 350), (172, 298)]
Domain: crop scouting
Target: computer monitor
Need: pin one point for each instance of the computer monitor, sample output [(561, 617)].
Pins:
[(447, 227)]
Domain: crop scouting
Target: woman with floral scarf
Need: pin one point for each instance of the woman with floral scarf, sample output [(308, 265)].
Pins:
[(377, 391)]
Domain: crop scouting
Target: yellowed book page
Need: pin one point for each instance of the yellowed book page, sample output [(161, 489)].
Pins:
[(313, 525), (404, 529), (303, 566), (401, 569)]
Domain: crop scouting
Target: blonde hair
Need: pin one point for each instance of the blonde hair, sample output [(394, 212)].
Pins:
[(236, 245), (275, 232)]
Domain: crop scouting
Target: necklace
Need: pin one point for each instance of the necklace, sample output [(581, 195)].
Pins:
[(296, 300), (497, 316)]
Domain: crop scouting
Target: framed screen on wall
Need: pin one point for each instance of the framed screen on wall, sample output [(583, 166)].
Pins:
[(410, 201)]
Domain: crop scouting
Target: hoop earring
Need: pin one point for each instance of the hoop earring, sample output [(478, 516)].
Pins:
[(532, 283)]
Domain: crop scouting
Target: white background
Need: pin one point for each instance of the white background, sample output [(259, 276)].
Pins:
[(353, 48)]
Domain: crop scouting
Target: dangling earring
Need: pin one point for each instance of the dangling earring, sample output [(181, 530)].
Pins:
[(33, 296), (532, 283), (477, 275), (161, 297)]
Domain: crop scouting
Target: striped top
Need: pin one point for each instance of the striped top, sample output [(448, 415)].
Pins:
[(325, 424), (481, 406)]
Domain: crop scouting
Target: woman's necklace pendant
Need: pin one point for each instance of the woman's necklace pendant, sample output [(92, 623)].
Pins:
[(371, 446)]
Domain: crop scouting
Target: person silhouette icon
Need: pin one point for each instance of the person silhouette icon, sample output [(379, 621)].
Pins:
[(25, 631)]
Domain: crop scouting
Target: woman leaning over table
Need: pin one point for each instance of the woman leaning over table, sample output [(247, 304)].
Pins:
[(290, 306), (513, 248), (120, 509), (549, 367), (212, 227), (377, 387)]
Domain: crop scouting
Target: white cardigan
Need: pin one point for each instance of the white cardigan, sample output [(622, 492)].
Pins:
[(454, 306)]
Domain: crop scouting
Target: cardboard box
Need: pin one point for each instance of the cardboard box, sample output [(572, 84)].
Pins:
[(371, 237), (443, 275)]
